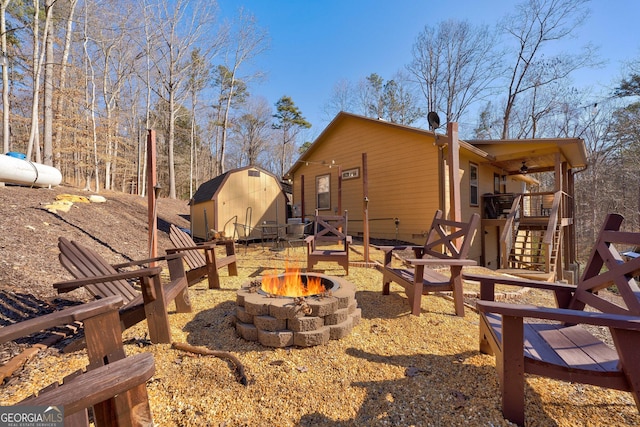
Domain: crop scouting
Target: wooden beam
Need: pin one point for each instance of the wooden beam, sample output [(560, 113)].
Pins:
[(151, 194)]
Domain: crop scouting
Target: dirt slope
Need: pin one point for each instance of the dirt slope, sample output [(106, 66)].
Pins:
[(117, 229)]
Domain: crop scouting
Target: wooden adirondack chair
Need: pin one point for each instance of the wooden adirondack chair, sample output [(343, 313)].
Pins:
[(102, 279), (440, 249), (201, 258), (332, 230), (559, 347), (114, 385)]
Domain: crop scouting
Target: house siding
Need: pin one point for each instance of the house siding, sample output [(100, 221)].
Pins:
[(402, 171)]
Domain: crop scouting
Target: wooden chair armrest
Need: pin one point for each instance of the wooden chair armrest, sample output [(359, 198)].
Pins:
[(144, 262), (504, 280), (63, 317), (563, 291), (395, 248), (99, 384), (349, 239), (309, 239), (190, 248), (616, 321), (441, 261), (70, 285)]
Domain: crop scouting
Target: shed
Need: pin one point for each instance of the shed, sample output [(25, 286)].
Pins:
[(248, 196)]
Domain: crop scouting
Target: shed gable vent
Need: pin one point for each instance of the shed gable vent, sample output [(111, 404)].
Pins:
[(254, 173)]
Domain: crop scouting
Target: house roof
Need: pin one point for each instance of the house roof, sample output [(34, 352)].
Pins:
[(343, 116), (208, 190), (508, 155)]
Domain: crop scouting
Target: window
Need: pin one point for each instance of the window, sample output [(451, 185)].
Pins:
[(351, 173), (323, 195), (473, 184), (499, 183)]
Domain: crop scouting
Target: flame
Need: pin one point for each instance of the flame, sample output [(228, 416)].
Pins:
[(291, 284)]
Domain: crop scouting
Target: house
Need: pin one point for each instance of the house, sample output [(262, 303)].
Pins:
[(400, 175), (249, 196)]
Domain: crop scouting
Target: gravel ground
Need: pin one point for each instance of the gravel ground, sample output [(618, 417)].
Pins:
[(392, 369)]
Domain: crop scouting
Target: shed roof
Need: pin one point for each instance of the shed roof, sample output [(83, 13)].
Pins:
[(208, 190)]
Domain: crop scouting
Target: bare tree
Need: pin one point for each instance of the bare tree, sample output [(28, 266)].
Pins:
[(37, 63), (252, 131), (198, 78), (182, 26), (454, 63), (62, 100), (342, 98), (534, 25), (5, 76), (248, 42)]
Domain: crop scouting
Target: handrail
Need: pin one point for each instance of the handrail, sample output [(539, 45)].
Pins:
[(553, 218), (506, 239)]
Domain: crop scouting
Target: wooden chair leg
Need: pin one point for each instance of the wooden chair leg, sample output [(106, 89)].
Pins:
[(156, 314), (626, 341), (232, 268), (176, 272), (416, 293), (386, 284), (458, 292), (511, 369)]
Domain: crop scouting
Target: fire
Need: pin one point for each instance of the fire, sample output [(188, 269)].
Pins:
[(291, 284)]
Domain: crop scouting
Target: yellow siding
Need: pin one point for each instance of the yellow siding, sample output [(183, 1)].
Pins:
[(199, 222), (403, 177), (242, 198)]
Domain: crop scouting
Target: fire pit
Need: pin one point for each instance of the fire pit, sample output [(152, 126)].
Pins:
[(303, 309)]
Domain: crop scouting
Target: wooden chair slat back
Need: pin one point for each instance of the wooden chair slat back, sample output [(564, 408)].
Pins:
[(331, 228), (82, 263), (450, 239), (607, 267), (180, 239)]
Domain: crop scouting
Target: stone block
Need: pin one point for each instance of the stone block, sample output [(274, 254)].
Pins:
[(303, 324), (243, 316), (269, 323), (356, 316), (311, 338), (338, 316), (322, 306), (285, 308), (275, 339), (256, 304), (341, 329), (247, 331)]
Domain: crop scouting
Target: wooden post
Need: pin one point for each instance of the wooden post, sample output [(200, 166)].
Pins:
[(151, 194), (365, 216), (339, 190), (454, 172), (302, 198)]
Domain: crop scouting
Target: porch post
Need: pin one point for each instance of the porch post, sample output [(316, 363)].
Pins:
[(454, 172)]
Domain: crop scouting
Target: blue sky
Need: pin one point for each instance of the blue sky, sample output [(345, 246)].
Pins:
[(317, 43)]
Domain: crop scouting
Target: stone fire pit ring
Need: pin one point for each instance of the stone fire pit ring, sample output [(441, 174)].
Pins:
[(275, 321)]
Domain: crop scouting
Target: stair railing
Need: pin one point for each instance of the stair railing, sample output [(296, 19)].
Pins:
[(510, 230)]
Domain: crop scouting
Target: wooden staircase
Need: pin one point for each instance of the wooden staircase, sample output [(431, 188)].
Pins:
[(529, 250), (531, 240)]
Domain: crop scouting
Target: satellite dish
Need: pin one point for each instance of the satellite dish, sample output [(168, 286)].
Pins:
[(433, 119)]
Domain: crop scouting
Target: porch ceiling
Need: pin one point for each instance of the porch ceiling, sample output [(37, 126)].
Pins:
[(539, 155)]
